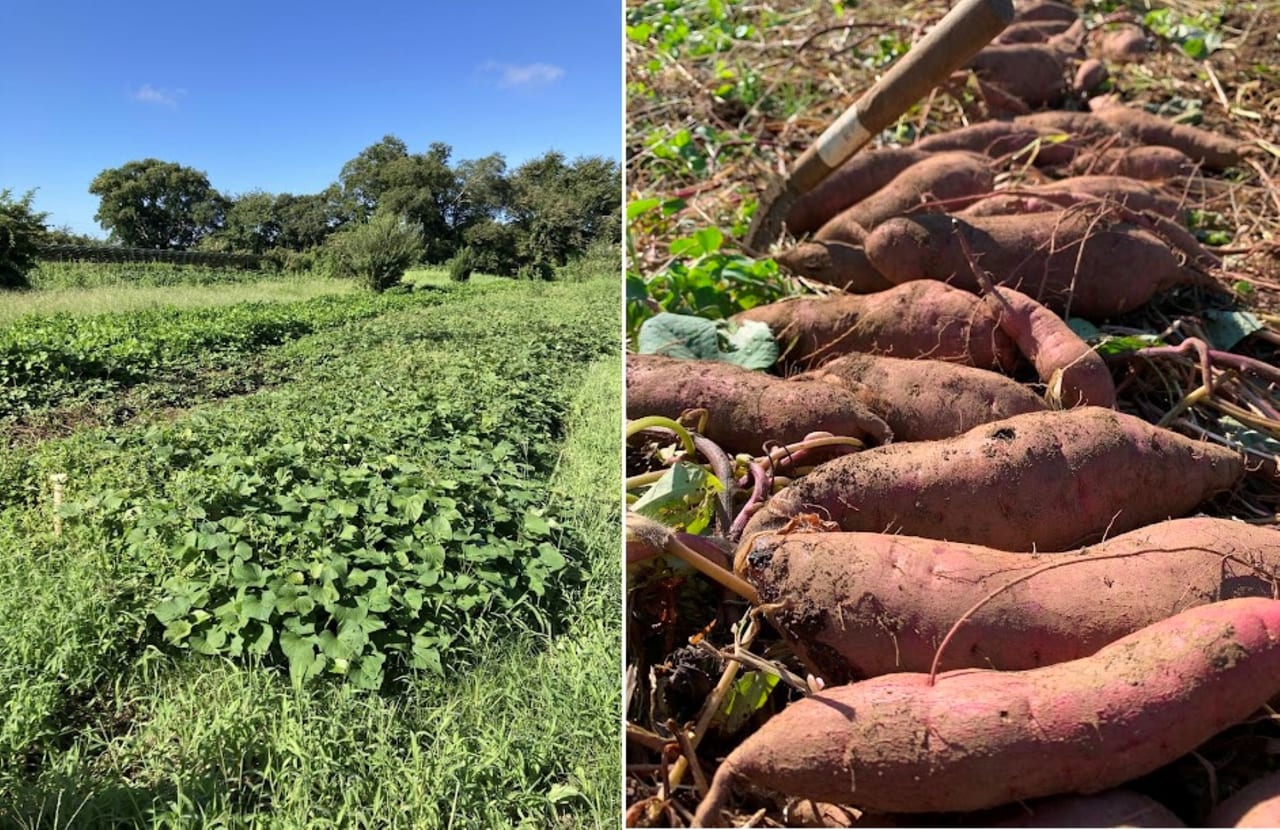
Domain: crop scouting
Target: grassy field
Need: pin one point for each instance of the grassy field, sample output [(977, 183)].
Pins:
[(435, 474)]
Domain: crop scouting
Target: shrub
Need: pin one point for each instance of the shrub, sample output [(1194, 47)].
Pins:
[(461, 266), (540, 270), (494, 247), (377, 252), (21, 230), (601, 258)]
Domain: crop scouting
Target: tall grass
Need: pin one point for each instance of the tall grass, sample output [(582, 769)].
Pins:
[(56, 274), (120, 298)]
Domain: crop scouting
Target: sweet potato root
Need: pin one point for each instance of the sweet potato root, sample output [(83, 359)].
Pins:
[(1064, 193), (1114, 808), (1032, 31), (1124, 44), (1074, 373), (948, 177), (853, 181), (859, 605), (922, 400), (977, 739), (999, 138), (1044, 10), (1066, 260), (1041, 481), (1090, 75), (918, 319), (1215, 151), (1257, 805), (841, 264), (745, 409), (1031, 72), (1149, 164)]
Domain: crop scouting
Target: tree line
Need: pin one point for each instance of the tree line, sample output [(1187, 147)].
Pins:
[(537, 215)]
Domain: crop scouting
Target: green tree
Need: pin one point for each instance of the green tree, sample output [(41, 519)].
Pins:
[(306, 221), (376, 252), (561, 208), (21, 231), (495, 247), (157, 204), (250, 224)]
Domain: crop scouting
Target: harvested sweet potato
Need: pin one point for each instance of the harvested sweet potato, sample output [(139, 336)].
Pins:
[(745, 408), (1074, 373), (1090, 75), (1152, 163), (922, 400), (1040, 481), (1066, 260), (976, 739), (1124, 44), (950, 178), (1082, 125), (859, 605), (841, 264), (1031, 72), (1000, 138), (1032, 31), (853, 181), (1215, 151), (1044, 10), (1257, 805), (918, 319), (1113, 808), (1064, 193)]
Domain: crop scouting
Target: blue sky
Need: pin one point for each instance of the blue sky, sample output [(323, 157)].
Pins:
[(278, 95)]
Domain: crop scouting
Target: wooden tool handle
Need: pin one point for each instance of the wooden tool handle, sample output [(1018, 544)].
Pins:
[(968, 27)]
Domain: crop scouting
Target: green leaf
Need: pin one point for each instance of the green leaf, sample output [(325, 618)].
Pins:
[(681, 497), (746, 697), (1227, 328), (751, 345), (679, 335), (1113, 345), (1087, 331), (641, 207)]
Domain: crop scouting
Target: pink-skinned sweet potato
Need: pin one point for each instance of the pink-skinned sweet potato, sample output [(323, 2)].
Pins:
[(1113, 808), (859, 605), (1074, 373), (1152, 163), (1215, 151), (840, 264), (1033, 73), (1124, 44), (1044, 10), (1066, 260), (976, 739), (941, 181), (919, 319), (923, 400), (1090, 75), (853, 181), (1257, 805), (745, 409), (1083, 126), (1000, 138), (1136, 196), (1041, 481), (1032, 31)]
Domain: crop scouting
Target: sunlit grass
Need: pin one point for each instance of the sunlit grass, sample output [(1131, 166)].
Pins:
[(115, 299)]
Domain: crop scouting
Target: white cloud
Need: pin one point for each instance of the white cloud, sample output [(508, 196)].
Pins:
[(149, 94), (529, 75)]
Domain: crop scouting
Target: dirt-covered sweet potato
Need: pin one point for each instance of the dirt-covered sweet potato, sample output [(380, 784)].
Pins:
[(853, 181), (976, 739), (1044, 10), (1074, 373), (1075, 260), (1034, 73), (1152, 163), (1000, 138), (941, 181), (1031, 31), (859, 605), (1113, 808), (1257, 805), (1040, 481), (1215, 151), (922, 400), (745, 408), (1135, 195), (1090, 75), (919, 319), (1123, 44), (840, 264)]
